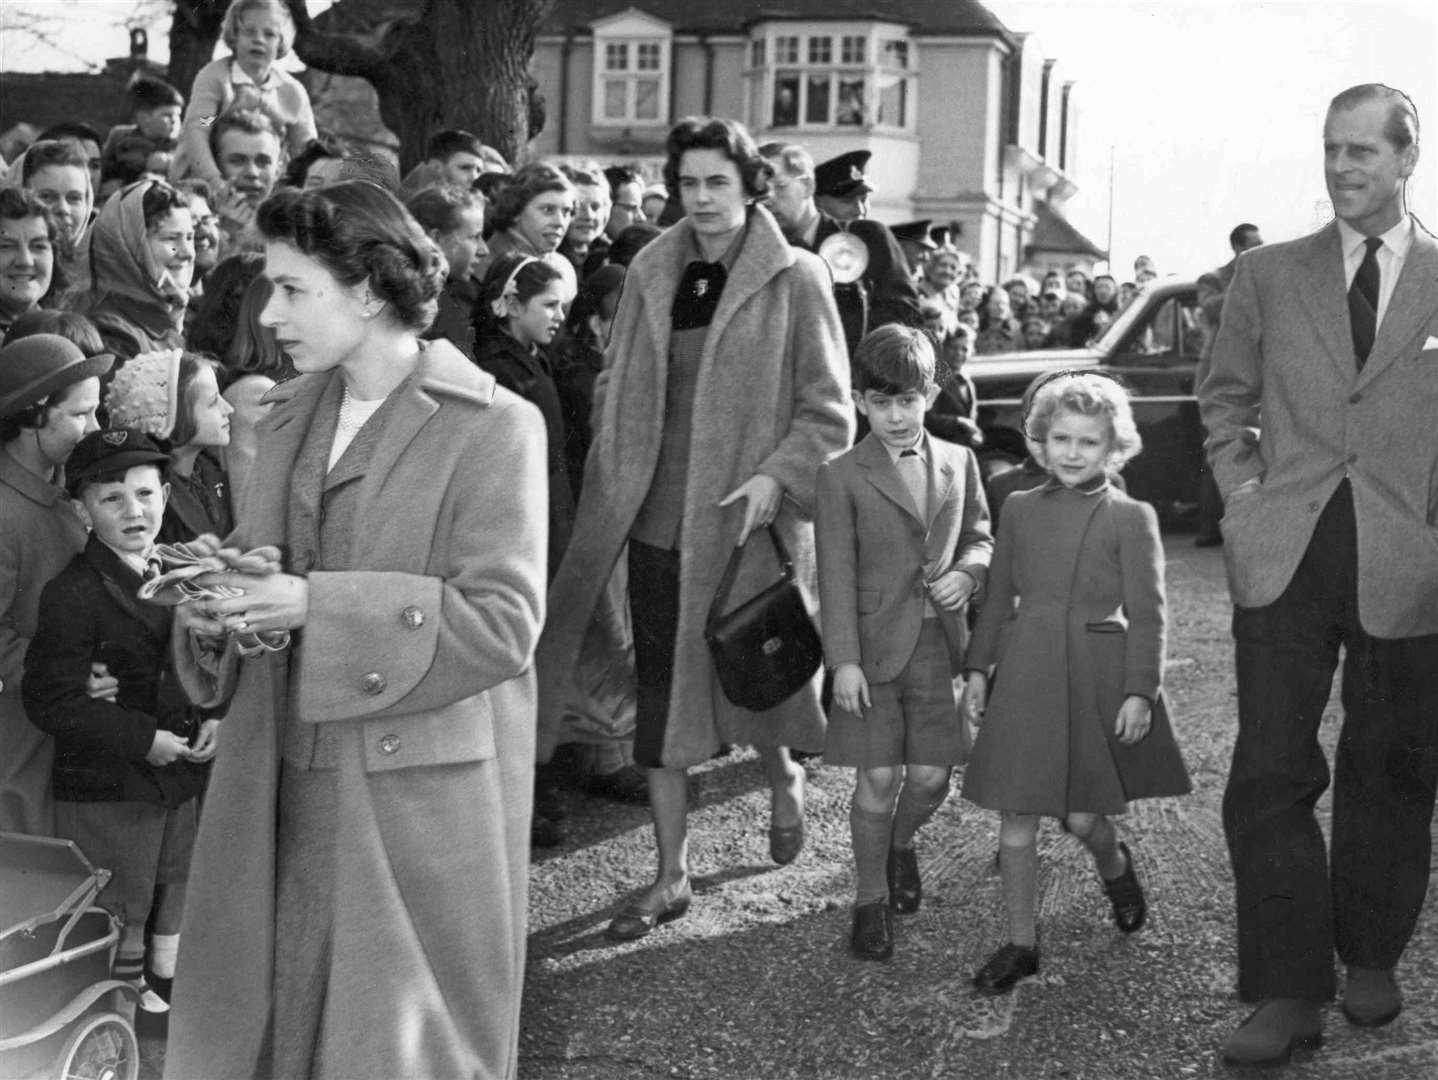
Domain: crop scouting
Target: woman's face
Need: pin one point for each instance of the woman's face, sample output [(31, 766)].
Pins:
[(942, 271), (464, 243), (69, 419), (536, 320), (971, 296), (1076, 282), (207, 234), (172, 244), (65, 189), (211, 411), (1104, 289), (323, 171), (319, 322), (998, 305), (545, 219), (27, 261), (712, 193), (591, 212)]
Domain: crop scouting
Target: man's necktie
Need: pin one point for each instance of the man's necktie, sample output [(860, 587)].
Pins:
[(915, 478), (1363, 302)]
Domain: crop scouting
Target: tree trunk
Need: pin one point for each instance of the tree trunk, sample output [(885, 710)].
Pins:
[(194, 30)]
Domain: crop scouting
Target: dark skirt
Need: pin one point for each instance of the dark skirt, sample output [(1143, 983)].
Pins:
[(654, 612)]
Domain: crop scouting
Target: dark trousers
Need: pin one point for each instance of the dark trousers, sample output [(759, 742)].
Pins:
[(1290, 917), (654, 612)]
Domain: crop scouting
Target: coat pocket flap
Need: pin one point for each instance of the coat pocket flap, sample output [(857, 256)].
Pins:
[(869, 600), (462, 731)]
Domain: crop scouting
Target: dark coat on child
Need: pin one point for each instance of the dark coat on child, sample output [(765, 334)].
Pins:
[(1074, 621), (89, 612)]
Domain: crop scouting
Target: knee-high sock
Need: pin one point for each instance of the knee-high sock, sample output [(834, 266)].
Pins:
[(1019, 873), (1102, 843), (913, 810), (870, 833)]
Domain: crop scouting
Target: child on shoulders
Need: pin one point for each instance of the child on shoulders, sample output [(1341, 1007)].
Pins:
[(903, 542)]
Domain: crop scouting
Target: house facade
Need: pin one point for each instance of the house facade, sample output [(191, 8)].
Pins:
[(968, 123)]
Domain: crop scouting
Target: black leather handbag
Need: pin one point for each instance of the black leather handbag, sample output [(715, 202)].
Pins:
[(767, 647)]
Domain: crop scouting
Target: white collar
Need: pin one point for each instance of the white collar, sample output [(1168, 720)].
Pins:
[(1396, 240), (921, 448), (134, 560), (240, 77)]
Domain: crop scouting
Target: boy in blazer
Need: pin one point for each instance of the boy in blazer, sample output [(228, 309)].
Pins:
[(903, 542)]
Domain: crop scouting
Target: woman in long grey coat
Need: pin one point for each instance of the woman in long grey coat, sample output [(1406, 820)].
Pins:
[(357, 906), (728, 386)]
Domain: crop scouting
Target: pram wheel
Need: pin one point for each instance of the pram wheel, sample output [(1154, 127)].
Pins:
[(102, 1046)]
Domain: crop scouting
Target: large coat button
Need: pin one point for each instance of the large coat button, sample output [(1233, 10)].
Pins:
[(389, 744), (412, 618), (373, 683)]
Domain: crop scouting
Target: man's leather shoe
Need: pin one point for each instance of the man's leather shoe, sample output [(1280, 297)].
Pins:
[(1273, 1031), (1371, 997), (873, 935), (1002, 971), (906, 890), (1130, 909), (636, 921)]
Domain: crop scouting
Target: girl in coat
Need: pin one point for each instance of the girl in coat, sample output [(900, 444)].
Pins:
[(1073, 631), (727, 387), (357, 898)]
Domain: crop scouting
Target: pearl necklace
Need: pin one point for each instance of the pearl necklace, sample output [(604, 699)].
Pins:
[(348, 425)]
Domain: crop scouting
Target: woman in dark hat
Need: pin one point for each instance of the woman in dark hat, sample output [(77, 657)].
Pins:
[(49, 391)]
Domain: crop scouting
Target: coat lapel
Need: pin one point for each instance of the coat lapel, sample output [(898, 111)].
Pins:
[(265, 503), (121, 583), (765, 253), (1320, 289), (879, 469), (1414, 300), (941, 480)]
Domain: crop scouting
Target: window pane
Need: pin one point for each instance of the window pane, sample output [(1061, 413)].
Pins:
[(851, 102), (614, 99), (821, 50), (756, 53), (852, 49), (786, 99), (647, 56), (646, 99), (816, 109), (616, 56), (786, 50), (893, 101), (896, 54)]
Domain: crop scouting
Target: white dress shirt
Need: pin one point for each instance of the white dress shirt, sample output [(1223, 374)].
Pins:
[(1396, 242)]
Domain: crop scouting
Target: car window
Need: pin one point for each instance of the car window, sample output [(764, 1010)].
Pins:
[(1175, 332)]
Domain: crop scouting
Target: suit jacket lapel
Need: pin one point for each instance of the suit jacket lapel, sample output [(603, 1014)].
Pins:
[(764, 254), (879, 468), (262, 517), (121, 583), (941, 479), (1415, 297), (1320, 289)]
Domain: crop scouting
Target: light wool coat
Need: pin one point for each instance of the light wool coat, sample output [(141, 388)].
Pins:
[(419, 653), (1285, 404), (772, 398)]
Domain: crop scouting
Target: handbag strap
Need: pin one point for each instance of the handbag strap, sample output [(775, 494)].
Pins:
[(731, 571)]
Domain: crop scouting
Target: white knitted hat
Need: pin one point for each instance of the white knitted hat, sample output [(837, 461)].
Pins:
[(145, 393)]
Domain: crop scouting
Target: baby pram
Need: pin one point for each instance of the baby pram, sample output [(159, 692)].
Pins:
[(57, 1000)]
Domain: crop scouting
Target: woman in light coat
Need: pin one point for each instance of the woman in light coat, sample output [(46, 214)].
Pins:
[(360, 876), (728, 385)]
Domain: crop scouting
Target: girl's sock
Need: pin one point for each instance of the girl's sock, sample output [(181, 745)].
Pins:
[(870, 833), (1102, 843), (1019, 873), (130, 955), (913, 809), (164, 948)]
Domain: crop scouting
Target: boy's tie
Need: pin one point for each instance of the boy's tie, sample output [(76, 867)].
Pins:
[(915, 478), (1363, 302)]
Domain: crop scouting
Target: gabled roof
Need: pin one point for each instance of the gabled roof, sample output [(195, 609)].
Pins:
[(1054, 232), (734, 16)]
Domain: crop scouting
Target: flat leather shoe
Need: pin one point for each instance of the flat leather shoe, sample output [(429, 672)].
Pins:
[(1371, 997), (1002, 971), (1130, 909), (906, 890), (1273, 1031), (785, 842), (636, 921), (873, 934)]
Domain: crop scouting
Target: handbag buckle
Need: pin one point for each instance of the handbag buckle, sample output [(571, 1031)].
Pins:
[(772, 645)]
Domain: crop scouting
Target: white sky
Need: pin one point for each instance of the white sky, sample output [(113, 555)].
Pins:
[(1213, 108)]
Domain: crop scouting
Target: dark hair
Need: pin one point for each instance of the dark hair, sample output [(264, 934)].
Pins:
[(148, 93), (249, 121), (524, 186), (69, 325), (33, 416), (531, 277), (217, 318), (47, 152), (619, 175), (359, 232), (254, 350), (196, 188), (17, 204), (631, 240), (443, 145), (191, 364), (159, 200), (730, 138), (317, 149), (599, 295), (439, 209), (587, 177), (365, 165), (894, 359), (1239, 232), (71, 129), (1401, 127), (489, 185)]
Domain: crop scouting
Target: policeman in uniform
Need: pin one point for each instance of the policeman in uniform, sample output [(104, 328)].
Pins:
[(872, 283), (916, 243)]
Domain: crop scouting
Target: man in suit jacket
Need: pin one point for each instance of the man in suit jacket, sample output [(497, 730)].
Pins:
[(1319, 405)]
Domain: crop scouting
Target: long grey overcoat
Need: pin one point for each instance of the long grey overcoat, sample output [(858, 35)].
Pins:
[(772, 398), (421, 651)]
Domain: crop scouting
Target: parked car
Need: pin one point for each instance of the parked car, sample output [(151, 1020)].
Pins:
[(1153, 347)]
